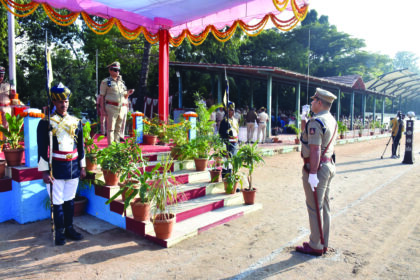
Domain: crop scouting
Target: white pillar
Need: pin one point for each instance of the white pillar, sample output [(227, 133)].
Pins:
[(12, 56)]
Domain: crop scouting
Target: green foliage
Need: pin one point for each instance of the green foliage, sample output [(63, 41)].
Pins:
[(204, 123), (155, 127), (251, 157), (341, 127), (235, 161), (163, 191), (294, 128), (14, 133), (219, 149), (120, 157), (178, 133), (196, 148), (90, 147)]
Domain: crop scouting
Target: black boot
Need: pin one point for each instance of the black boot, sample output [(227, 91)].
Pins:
[(60, 239), (70, 232)]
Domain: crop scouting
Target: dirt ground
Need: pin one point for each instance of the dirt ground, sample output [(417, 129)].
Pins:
[(375, 232)]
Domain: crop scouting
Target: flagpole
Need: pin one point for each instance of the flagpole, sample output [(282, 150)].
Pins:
[(50, 135)]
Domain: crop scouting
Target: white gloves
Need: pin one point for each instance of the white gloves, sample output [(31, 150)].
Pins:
[(313, 181), (305, 112)]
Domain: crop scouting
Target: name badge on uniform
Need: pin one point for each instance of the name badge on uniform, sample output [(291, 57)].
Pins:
[(312, 131)]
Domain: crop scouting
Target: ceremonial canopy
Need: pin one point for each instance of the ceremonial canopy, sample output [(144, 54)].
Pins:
[(170, 21)]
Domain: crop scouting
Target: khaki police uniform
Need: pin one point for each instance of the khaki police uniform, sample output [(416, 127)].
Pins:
[(262, 125), (320, 130), (114, 92)]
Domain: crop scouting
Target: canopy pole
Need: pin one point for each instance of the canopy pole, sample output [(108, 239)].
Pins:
[(352, 111), (12, 56), (269, 96), (374, 107), (219, 88), (338, 104), (297, 104), (363, 108), (163, 74), (383, 110)]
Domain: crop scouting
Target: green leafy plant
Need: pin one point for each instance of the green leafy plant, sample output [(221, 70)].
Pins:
[(235, 161), (14, 133), (295, 129), (204, 123), (219, 150), (90, 147), (197, 148), (342, 128), (153, 126), (251, 157), (163, 190)]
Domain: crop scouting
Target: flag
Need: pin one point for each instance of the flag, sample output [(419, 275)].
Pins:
[(226, 96), (48, 68)]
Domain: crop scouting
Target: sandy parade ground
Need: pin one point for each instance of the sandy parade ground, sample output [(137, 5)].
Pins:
[(375, 232)]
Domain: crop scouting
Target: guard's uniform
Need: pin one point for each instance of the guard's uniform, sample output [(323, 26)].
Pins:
[(113, 92), (229, 130), (319, 131), (68, 157)]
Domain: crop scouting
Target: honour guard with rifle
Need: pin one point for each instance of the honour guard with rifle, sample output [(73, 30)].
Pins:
[(318, 141), (67, 162)]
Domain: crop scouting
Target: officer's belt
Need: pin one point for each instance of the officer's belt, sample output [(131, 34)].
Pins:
[(233, 139), (115, 103), (65, 156), (323, 160), (5, 104)]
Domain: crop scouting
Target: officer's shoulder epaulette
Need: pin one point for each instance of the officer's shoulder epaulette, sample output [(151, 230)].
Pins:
[(319, 121)]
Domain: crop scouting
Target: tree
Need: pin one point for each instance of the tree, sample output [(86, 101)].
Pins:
[(406, 60)]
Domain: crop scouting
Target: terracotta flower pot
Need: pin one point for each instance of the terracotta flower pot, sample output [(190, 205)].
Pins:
[(372, 133), (249, 196), (200, 164), (111, 179), (235, 186), (80, 203), (149, 139), (90, 166), (215, 175), (14, 156), (163, 225), (341, 136), (2, 168), (140, 210), (297, 141)]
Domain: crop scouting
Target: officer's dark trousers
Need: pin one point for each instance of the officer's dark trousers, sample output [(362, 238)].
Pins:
[(395, 142)]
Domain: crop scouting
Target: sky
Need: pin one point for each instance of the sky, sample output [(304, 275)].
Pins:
[(386, 26)]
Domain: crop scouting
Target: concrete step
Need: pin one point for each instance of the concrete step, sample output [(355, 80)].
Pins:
[(194, 226), (182, 177), (193, 199)]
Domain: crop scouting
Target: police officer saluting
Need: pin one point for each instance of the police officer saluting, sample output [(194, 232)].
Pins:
[(68, 162), (318, 141), (114, 102)]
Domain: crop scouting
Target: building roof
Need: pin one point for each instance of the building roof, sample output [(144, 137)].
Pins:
[(399, 83), (279, 75), (354, 81)]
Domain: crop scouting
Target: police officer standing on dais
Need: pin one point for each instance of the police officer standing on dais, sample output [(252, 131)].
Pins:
[(114, 102), (318, 140)]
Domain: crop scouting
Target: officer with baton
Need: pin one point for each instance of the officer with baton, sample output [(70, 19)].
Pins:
[(318, 140)]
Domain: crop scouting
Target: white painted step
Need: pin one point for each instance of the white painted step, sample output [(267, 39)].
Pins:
[(192, 227)]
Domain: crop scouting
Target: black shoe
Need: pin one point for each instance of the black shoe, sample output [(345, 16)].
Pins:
[(122, 140), (238, 190), (60, 238), (72, 234)]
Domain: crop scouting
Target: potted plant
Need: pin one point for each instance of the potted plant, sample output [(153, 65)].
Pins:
[(383, 128), (2, 168), (219, 151), (360, 131), (91, 149), (232, 179), (295, 130), (113, 159), (250, 157), (163, 193), (372, 126), (199, 149), (178, 133), (342, 128), (151, 131), (13, 136)]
